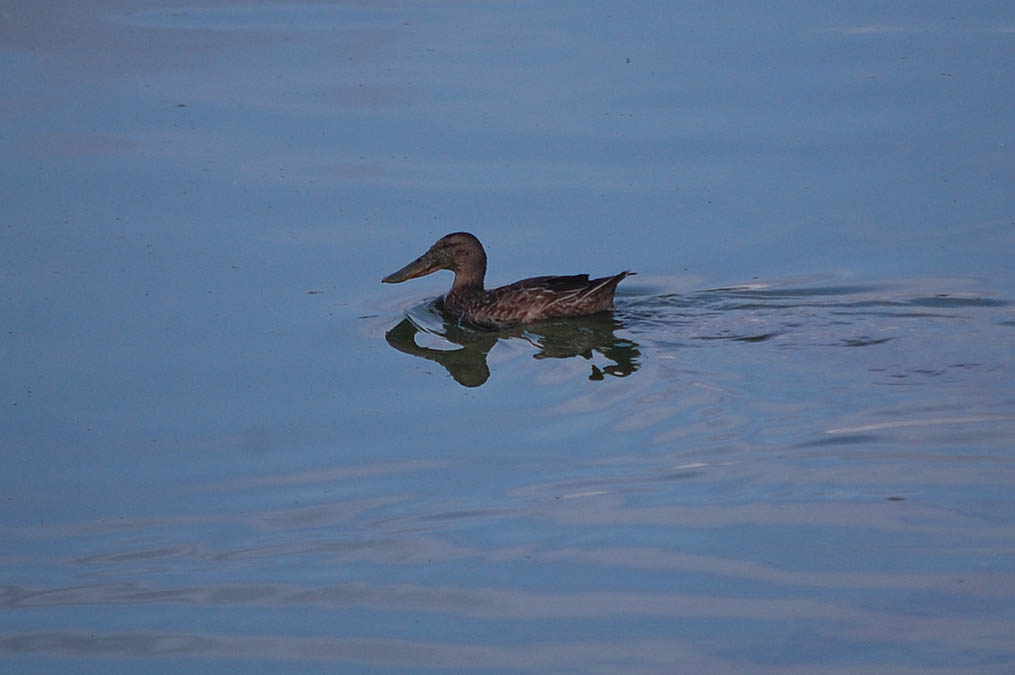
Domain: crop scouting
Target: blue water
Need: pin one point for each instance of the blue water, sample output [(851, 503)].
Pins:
[(226, 446)]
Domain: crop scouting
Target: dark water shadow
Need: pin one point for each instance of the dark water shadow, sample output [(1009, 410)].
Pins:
[(557, 339)]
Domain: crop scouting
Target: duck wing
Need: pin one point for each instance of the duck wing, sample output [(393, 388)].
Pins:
[(553, 284), (548, 297)]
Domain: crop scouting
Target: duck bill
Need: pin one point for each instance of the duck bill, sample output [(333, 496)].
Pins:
[(419, 267)]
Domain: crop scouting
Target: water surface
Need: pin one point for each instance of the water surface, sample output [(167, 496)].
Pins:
[(227, 446)]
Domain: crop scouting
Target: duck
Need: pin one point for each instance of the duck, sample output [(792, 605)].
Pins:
[(525, 301)]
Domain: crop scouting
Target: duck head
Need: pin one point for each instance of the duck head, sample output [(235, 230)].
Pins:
[(459, 252)]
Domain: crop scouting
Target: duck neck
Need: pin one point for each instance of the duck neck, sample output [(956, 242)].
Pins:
[(467, 282), (468, 286), (469, 273)]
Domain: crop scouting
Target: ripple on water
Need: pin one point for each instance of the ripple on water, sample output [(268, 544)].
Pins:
[(849, 464)]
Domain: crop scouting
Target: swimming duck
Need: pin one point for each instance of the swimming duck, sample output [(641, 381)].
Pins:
[(521, 302)]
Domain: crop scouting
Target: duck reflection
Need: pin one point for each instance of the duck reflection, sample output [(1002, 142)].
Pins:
[(559, 339)]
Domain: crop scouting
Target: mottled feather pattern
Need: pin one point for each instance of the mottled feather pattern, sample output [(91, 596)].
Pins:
[(535, 299)]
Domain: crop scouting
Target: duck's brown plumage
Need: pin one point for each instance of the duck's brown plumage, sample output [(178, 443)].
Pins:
[(521, 302)]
